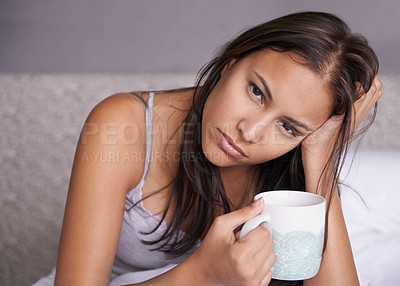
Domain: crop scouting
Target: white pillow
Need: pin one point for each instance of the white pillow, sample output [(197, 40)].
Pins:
[(373, 225)]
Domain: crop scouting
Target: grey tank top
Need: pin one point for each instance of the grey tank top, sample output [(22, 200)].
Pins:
[(134, 261), (132, 255)]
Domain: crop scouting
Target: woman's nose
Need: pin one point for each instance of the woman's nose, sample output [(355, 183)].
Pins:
[(253, 131)]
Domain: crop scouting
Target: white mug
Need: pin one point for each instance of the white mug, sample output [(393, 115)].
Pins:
[(296, 221)]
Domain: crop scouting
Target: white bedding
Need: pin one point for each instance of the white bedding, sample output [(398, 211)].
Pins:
[(374, 225)]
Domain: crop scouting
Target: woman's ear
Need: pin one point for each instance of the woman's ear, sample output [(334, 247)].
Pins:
[(229, 65)]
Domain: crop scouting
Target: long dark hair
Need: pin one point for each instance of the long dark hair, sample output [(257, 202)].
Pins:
[(327, 46)]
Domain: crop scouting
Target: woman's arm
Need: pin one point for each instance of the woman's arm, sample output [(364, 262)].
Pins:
[(96, 196), (337, 266)]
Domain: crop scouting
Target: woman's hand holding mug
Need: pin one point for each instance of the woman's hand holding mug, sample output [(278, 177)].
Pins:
[(224, 259)]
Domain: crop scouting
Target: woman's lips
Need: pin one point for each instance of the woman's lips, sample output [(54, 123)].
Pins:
[(228, 145)]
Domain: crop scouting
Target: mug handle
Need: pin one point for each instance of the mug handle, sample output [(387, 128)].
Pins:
[(254, 222)]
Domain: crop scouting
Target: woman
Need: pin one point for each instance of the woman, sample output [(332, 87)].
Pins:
[(276, 108)]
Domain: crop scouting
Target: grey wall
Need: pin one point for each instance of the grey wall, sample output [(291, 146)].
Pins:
[(161, 35)]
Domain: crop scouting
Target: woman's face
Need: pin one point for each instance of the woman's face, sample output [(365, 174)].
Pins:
[(264, 105)]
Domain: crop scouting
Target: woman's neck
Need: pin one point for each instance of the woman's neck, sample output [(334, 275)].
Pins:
[(238, 184)]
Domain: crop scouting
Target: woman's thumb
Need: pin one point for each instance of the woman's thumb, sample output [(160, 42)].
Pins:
[(234, 219)]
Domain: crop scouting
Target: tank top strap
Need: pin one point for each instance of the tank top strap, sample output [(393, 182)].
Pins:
[(149, 129), (135, 195)]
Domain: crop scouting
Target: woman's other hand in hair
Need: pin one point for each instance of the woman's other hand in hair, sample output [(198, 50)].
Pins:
[(366, 102), (321, 141)]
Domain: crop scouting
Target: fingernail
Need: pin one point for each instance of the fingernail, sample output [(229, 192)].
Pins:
[(257, 202)]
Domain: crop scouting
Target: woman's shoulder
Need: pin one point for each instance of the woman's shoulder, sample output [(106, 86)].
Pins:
[(114, 134), (117, 126), (120, 119), (119, 106), (131, 106)]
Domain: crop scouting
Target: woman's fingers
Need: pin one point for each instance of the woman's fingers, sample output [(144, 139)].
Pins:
[(258, 246), (267, 278), (265, 259), (223, 257), (265, 256), (258, 240), (325, 133), (234, 219), (375, 91), (269, 259), (367, 101)]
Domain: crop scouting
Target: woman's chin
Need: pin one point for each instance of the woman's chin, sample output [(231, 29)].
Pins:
[(221, 159), (218, 159)]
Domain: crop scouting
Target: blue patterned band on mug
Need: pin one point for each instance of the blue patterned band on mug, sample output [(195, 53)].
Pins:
[(298, 254)]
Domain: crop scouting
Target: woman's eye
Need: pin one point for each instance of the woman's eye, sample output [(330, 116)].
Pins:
[(256, 91), (288, 128)]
